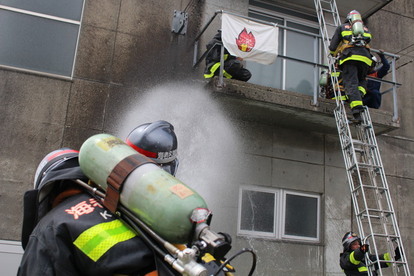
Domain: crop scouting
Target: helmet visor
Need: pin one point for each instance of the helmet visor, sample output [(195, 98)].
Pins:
[(170, 167)]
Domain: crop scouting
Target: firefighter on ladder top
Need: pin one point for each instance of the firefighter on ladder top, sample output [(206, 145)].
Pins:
[(350, 46)]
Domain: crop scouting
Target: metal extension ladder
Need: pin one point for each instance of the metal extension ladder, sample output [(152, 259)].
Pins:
[(374, 211)]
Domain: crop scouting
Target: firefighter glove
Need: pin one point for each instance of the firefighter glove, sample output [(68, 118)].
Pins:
[(365, 248), (397, 253)]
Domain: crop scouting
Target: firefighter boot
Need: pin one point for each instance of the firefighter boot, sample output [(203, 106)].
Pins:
[(356, 112)]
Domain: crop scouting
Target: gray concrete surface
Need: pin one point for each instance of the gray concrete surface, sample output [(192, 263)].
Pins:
[(131, 69)]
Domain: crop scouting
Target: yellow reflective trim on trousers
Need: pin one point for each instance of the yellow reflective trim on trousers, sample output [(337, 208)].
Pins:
[(212, 70), (362, 89), (355, 103), (362, 269), (97, 240), (352, 258), (366, 60), (343, 98)]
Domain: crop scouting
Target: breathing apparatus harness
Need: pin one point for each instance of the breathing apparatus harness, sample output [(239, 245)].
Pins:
[(188, 261)]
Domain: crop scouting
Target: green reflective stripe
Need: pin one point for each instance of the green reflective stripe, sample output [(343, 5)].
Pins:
[(362, 89), (97, 240), (355, 103), (366, 60), (362, 269), (352, 259)]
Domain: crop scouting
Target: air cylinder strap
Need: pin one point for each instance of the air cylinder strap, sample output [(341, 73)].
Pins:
[(117, 177)]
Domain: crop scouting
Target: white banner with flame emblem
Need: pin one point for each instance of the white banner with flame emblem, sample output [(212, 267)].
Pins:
[(248, 39)]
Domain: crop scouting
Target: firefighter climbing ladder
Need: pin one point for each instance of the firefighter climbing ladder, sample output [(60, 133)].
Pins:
[(374, 211)]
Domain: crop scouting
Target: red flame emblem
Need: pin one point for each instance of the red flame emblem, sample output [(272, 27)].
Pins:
[(245, 41)]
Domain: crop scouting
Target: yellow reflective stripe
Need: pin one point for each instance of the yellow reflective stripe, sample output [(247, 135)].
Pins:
[(343, 98), (97, 240), (227, 75), (387, 257), (336, 74), (212, 70), (345, 33), (355, 103), (362, 89), (366, 60), (362, 269), (368, 35), (352, 258)]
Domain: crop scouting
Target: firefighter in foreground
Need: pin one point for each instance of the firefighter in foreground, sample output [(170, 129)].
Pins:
[(233, 66), (352, 259), (350, 45), (66, 231)]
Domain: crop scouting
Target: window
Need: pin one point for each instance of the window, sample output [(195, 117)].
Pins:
[(299, 51), (40, 35), (279, 214)]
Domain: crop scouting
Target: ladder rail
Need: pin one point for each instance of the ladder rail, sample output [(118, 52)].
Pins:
[(363, 168)]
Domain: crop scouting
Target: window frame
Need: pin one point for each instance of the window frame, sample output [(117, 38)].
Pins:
[(318, 218), (279, 215), (51, 18), (317, 58)]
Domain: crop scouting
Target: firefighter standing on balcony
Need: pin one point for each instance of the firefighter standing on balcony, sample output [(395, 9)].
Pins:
[(233, 66), (373, 97), (350, 45)]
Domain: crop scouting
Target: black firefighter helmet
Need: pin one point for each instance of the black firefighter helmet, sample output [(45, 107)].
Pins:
[(157, 141), (54, 175), (349, 238)]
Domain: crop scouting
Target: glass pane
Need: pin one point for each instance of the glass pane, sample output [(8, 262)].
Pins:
[(266, 18), (301, 218), (300, 46), (257, 211), (69, 9), (266, 75), (36, 43), (300, 77), (303, 27)]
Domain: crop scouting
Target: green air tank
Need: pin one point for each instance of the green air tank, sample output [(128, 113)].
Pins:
[(356, 23), (159, 199)]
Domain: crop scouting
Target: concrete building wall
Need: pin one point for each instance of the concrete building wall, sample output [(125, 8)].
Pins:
[(131, 69), (390, 27)]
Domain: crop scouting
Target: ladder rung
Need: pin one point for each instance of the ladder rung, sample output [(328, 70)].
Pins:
[(381, 189), (360, 143), (364, 213), (326, 10), (365, 166), (393, 237)]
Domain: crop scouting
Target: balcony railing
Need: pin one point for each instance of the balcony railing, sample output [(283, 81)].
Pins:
[(318, 67)]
